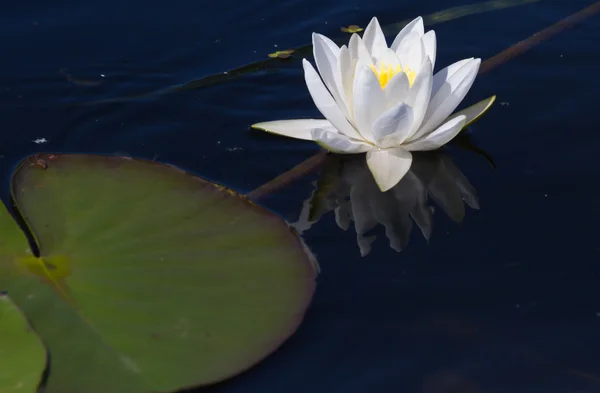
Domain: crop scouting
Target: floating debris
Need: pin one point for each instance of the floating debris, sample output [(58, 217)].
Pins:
[(40, 160), (281, 54), (77, 81), (352, 29)]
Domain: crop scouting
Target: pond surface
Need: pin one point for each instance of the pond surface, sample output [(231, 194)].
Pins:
[(506, 301)]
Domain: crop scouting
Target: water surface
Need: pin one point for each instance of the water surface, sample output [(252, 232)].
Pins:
[(507, 301)]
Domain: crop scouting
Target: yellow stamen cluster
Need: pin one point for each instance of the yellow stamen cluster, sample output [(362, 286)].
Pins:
[(386, 72)]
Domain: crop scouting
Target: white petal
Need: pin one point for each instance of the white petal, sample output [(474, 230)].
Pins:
[(438, 138), (346, 67), (327, 64), (299, 129), (421, 212), (411, 52), (419, 94), (342, 215), (447, 98), (396, 90), (466, 189), (404, 47), (393, 126), (430, 43), (338, 143), (330, 44), (415, 25), (325, 102), (361, 199), (369, 100), (374, 39), (475, 111), (358, 50), (353, 46), (446, 195), (388, 166), (442, 76), (389, 58)]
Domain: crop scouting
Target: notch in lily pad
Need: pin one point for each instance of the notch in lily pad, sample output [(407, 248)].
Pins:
[(352, 29), (282, 54)]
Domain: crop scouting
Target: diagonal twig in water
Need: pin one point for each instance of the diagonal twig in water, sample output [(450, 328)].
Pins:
[(520, 47), (274, 63), (526, 44)]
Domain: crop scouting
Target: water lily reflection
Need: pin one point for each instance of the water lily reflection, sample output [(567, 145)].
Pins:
[(347, 188)]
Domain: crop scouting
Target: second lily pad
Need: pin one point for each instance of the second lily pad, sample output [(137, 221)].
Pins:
[(22, 354)]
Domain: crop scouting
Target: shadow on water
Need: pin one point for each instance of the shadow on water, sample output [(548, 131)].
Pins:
[(348, 188)]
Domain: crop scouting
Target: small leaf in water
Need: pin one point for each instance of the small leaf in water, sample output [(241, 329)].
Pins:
[(352, 29), (281, 54)]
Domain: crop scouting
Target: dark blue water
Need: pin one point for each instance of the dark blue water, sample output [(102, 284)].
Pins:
[(507, 301)]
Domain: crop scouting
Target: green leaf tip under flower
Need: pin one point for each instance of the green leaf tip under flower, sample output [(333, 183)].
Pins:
[(475, 111), (384, 101)]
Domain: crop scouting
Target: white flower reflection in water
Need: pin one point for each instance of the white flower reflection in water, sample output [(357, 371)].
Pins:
[(347, 188)]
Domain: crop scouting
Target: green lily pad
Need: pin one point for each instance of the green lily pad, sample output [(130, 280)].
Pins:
[(22, 354), (150, 279)]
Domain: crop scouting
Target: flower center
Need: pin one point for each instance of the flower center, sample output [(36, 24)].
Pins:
[(386, 72)]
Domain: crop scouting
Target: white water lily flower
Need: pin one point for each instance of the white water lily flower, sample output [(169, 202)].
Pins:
[(383, 101)]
